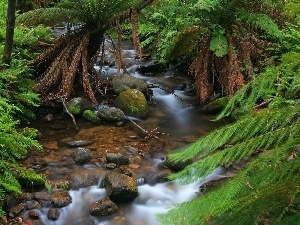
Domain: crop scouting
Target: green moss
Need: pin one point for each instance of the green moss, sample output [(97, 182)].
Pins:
[(133, 102), (90, 116), (75, 110)]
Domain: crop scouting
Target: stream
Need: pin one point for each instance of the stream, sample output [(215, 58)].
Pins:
[(176, 123)]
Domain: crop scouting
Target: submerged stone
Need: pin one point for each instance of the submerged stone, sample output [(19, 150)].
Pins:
[(79, 143)]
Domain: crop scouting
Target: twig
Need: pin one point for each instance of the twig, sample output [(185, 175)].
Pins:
[(63, 100), (263, 103)]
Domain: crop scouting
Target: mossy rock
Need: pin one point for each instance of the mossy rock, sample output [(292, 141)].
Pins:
[(77, 106), (133, 103), (215, 106), (91, 116)]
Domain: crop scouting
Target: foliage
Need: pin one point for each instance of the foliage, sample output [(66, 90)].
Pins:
[(225, 41), (265, 141)]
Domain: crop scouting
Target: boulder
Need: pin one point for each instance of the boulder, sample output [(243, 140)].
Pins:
[(85, 178), (120, 187), (77, 106), (53, 214), (82, 155), (103, 207), (125, 81), (61, 199), (215, 106), (89, 115), (117, 158), (111, 114), (16, 210), (133, 103)]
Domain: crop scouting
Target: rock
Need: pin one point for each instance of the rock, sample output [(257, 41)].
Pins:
[(133, 103), (103, 207), (120, 188), (77, 106), (125, 81), (17, 209), (61, 199), (110, 165), (26, 196), (213, 184), (49, 118), (53, 214), (34, 215), (82, 155), (118, 158), (85, 178), (42, 197), (32, 205), (177, 166), (111, 114), (79, 143), (91, 116), (215, 106), (157, 67)]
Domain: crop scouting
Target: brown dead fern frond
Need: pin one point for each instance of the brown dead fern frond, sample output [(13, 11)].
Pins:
[(235, 77), (135, 32), (85, 76), (199, 68)]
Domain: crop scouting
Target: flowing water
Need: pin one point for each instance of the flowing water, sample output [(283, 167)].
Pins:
[(176, 122)]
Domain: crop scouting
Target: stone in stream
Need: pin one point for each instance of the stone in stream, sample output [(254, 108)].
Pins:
[(82, 155), (42, 197), (120, 187), (103, 207), (17, 209), (125, 81), (78, 105), (79, 143), (85, 178), (91, 116), (133, 102), (177, 166), (53, 214), (61, 199), (117, 158), (111, 114)]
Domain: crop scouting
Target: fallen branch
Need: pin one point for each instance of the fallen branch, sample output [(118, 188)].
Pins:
[(63, 100)]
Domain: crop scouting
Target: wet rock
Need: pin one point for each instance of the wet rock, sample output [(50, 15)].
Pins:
[(61, 199), (34, 215), (133, 103), (82, 155), (42, 197), (49, 118), (103, 207), (177, 166), (120, 188), (79, 143), (53, 214), (85, 178), (117, 158), (110, 165), (40, 162), (32, 205), (215, 106), (17, 209), (26, 196), (77, 106), (210, 185), (125, 81), (111, 114), (157, 177), (91, 116), (157, 67)]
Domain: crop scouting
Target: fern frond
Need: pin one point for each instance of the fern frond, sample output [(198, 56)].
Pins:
[(218, 42), (263, 22), (46, 16)]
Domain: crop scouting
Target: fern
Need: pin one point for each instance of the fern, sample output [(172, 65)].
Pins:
[(218, 42)]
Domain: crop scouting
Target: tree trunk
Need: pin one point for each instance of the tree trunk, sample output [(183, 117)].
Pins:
[(10, 25)]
